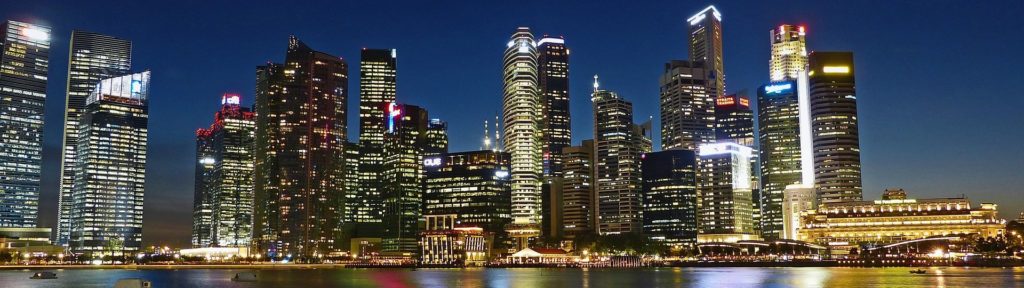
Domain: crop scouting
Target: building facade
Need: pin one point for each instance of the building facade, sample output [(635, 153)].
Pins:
[(378, 88), (446, 242), (405, 144), (553, 76), (224, 178), (705, 45), (301, 128), (23, 87), (109, 187), (473, 185), (778, 119), (670, 196), (578, 189), (789, 53), (724, 193), (522, 117), (93, 57), (687, 106), (833, 106), (619, 145)]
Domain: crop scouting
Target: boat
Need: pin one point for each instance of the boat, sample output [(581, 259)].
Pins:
[(44, 275), (244, 277), (133, 283), (918, 271)]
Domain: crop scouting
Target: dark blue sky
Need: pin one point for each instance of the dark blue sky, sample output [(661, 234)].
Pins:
[(939, 82)]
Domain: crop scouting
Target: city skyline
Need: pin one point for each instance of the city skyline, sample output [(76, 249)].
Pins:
[(879, 171)]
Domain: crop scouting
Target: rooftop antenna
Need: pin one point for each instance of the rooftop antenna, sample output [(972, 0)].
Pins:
[(497, 135), (487, 136)]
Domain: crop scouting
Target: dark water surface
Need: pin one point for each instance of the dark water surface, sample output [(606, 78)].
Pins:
[(536, 277)]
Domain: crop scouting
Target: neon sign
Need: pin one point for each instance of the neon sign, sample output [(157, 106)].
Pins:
[(501, 173), (393, 112), (723, 101), (836, 69), (778, 88), (431, 162), (745, 102), (230, 99)]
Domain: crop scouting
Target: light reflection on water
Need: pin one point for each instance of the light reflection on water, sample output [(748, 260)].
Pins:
[(537, 277)]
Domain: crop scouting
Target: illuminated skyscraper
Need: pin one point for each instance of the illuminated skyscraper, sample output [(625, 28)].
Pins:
[(706, 46), (300, 141), (93, 57), (25, 58), (734, 121), (107, 195), (405, 144), (436, 138), (352, 200), (553, 70), (789, 53), (670, 196), (474, 185), (578, 189), (778, 135), (224, 175), (377, 89), (522, 117), (687, 106), (724, 194), (833, 98), (619, 145)]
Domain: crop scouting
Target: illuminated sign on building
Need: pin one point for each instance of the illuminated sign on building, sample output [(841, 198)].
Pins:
[(393, 112), (836, 69), (36, 33), (501, 173), (431, 162), (725, 101), (745, 102), (230, 99), (778, 88)]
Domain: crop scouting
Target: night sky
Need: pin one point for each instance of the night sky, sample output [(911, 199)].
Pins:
[(939, 83)]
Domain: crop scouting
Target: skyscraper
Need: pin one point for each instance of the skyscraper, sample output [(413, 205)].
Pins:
[(724, 193), (301, 132), (405, 144), (93, 57), (778, 119), (670, 196), (706, 46), (687, 106), (436, 138), (833, 101), (522, 118), (23, 92), (789, 53), (225, 158), (202, 200), (474, 185), (619, 145), (553, 71), (352, 201), (107, 195), (734, 121), (578, 189), (377, 89)]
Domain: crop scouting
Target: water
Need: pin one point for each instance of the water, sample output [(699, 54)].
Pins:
[(536, 277)]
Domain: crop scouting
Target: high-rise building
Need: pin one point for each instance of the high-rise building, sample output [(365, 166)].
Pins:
[(706, 46), (687, 106), (778, 119), (833, 101), (578, 189), (107, 195), (724, 194), (377, 89), (522, 118), (670, 196), (619, 145), (25, 58), (300, 140), (352, 200), (789, 53), (553, 72), (93, 57), (436, 138), (734, 121), (474, 185), (224, 177), (405, 144)]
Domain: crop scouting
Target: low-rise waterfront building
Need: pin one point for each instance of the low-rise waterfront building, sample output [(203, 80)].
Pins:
[(445, 242)]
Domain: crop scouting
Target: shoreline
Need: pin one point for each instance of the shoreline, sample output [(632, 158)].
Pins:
[(345, 266)]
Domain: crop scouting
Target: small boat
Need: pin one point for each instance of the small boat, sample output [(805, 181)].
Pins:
[(133, 283), (918, 271), (244, 277), (44, 275)]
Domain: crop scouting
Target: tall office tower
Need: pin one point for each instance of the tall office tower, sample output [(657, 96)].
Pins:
[(107, 197), (578, 189), (789, 53), (670, 196), (522, 118), (474, 185), (724, 193), (618, 151), (436, 138), (734, 121), (93, 57), (778, 119), (405, 144), (352, 200), (706, 46), (224, 177), (300, 139), (553, 71), (25, 58), (377, 90), (833, 98), (687, 106)]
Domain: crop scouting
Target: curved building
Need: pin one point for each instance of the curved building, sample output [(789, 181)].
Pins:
[(833, 101), (521, 110)]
